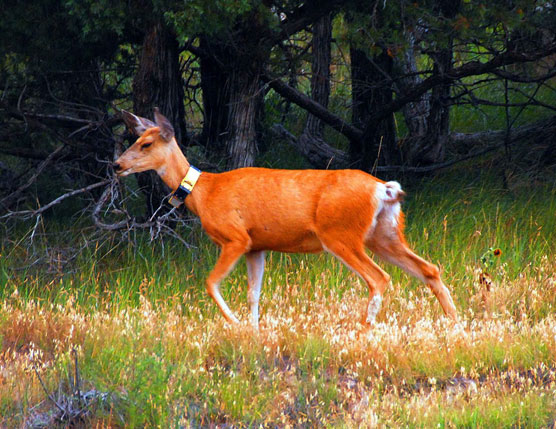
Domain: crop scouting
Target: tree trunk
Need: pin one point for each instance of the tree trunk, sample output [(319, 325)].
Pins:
[(313, 147), (234, 89), (371, 89), (431, 148), (158, 83), (320, 67), (245, 60), (216, 97), (245, 100), (415, 112)]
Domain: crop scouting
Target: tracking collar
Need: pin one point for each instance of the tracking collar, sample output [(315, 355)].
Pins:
[(186, 186)]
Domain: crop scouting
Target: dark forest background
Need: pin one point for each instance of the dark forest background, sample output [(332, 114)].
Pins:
[(396, 88)]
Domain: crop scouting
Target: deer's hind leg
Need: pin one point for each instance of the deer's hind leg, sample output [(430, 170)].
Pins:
[(387, 241), (350, 250)]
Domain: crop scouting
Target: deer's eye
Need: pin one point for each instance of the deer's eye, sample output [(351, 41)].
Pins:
[(146, 145)]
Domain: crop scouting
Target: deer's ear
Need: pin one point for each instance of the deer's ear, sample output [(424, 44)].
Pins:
[(136, 124), (166, 128)]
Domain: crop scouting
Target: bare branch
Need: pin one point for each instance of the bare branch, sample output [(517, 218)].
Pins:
[(523, 79), (30, 213), (434, 167), (472, 68), (313, 107), (319, 153), (156, 224), (24, 153), (97, 209), (496, 138), (48, 394), (5, 202)]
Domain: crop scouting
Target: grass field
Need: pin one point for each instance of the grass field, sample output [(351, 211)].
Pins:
[(153, 351)]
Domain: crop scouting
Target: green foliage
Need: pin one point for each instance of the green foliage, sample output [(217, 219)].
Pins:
[(475, 26), (215, 17), (101, 19), (53, 36)]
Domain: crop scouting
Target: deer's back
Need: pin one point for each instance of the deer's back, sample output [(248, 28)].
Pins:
[(283, 209)]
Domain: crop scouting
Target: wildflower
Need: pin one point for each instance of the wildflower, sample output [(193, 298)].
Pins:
[(488, 257)]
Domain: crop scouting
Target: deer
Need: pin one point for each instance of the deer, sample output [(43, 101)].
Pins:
[(249, 211)]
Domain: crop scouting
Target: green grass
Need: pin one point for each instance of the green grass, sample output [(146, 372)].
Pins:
[(446, 223), (148, 335)]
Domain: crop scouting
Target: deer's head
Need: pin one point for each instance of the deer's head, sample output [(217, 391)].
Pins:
[(152, 149)]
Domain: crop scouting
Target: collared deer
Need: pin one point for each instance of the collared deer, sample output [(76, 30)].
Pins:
[(250, 210)]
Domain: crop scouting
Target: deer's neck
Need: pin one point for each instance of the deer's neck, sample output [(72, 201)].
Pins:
[(175, 168)]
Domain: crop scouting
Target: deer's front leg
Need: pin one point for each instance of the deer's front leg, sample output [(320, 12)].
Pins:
[(230, 254), (255, 270)]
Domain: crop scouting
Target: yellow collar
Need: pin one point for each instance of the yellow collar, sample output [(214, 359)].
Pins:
[(186, 186)]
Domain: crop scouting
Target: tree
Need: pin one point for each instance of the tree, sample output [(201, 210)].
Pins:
[(57, 88), (370, 91), (158, 83), (235, 51), (486, 41), (311, 140)]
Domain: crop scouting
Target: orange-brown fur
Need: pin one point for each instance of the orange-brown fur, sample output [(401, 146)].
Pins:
[(252, 210)]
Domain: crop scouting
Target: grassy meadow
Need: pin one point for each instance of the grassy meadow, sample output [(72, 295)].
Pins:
[(153, 351)]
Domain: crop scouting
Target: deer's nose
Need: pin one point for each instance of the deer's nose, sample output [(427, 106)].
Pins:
[(116, 166)]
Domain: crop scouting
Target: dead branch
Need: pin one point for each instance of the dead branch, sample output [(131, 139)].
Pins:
[(155, 224), (73, 408), (496, 139), (319, 153), (48, 394), (98, 207), (5, 202), (27, 214), (20, 152), (439, 166), (313, 107), (472, 68), (57, 118)]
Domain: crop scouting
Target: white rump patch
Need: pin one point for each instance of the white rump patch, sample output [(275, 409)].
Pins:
[(393, 192), (388, 197)]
